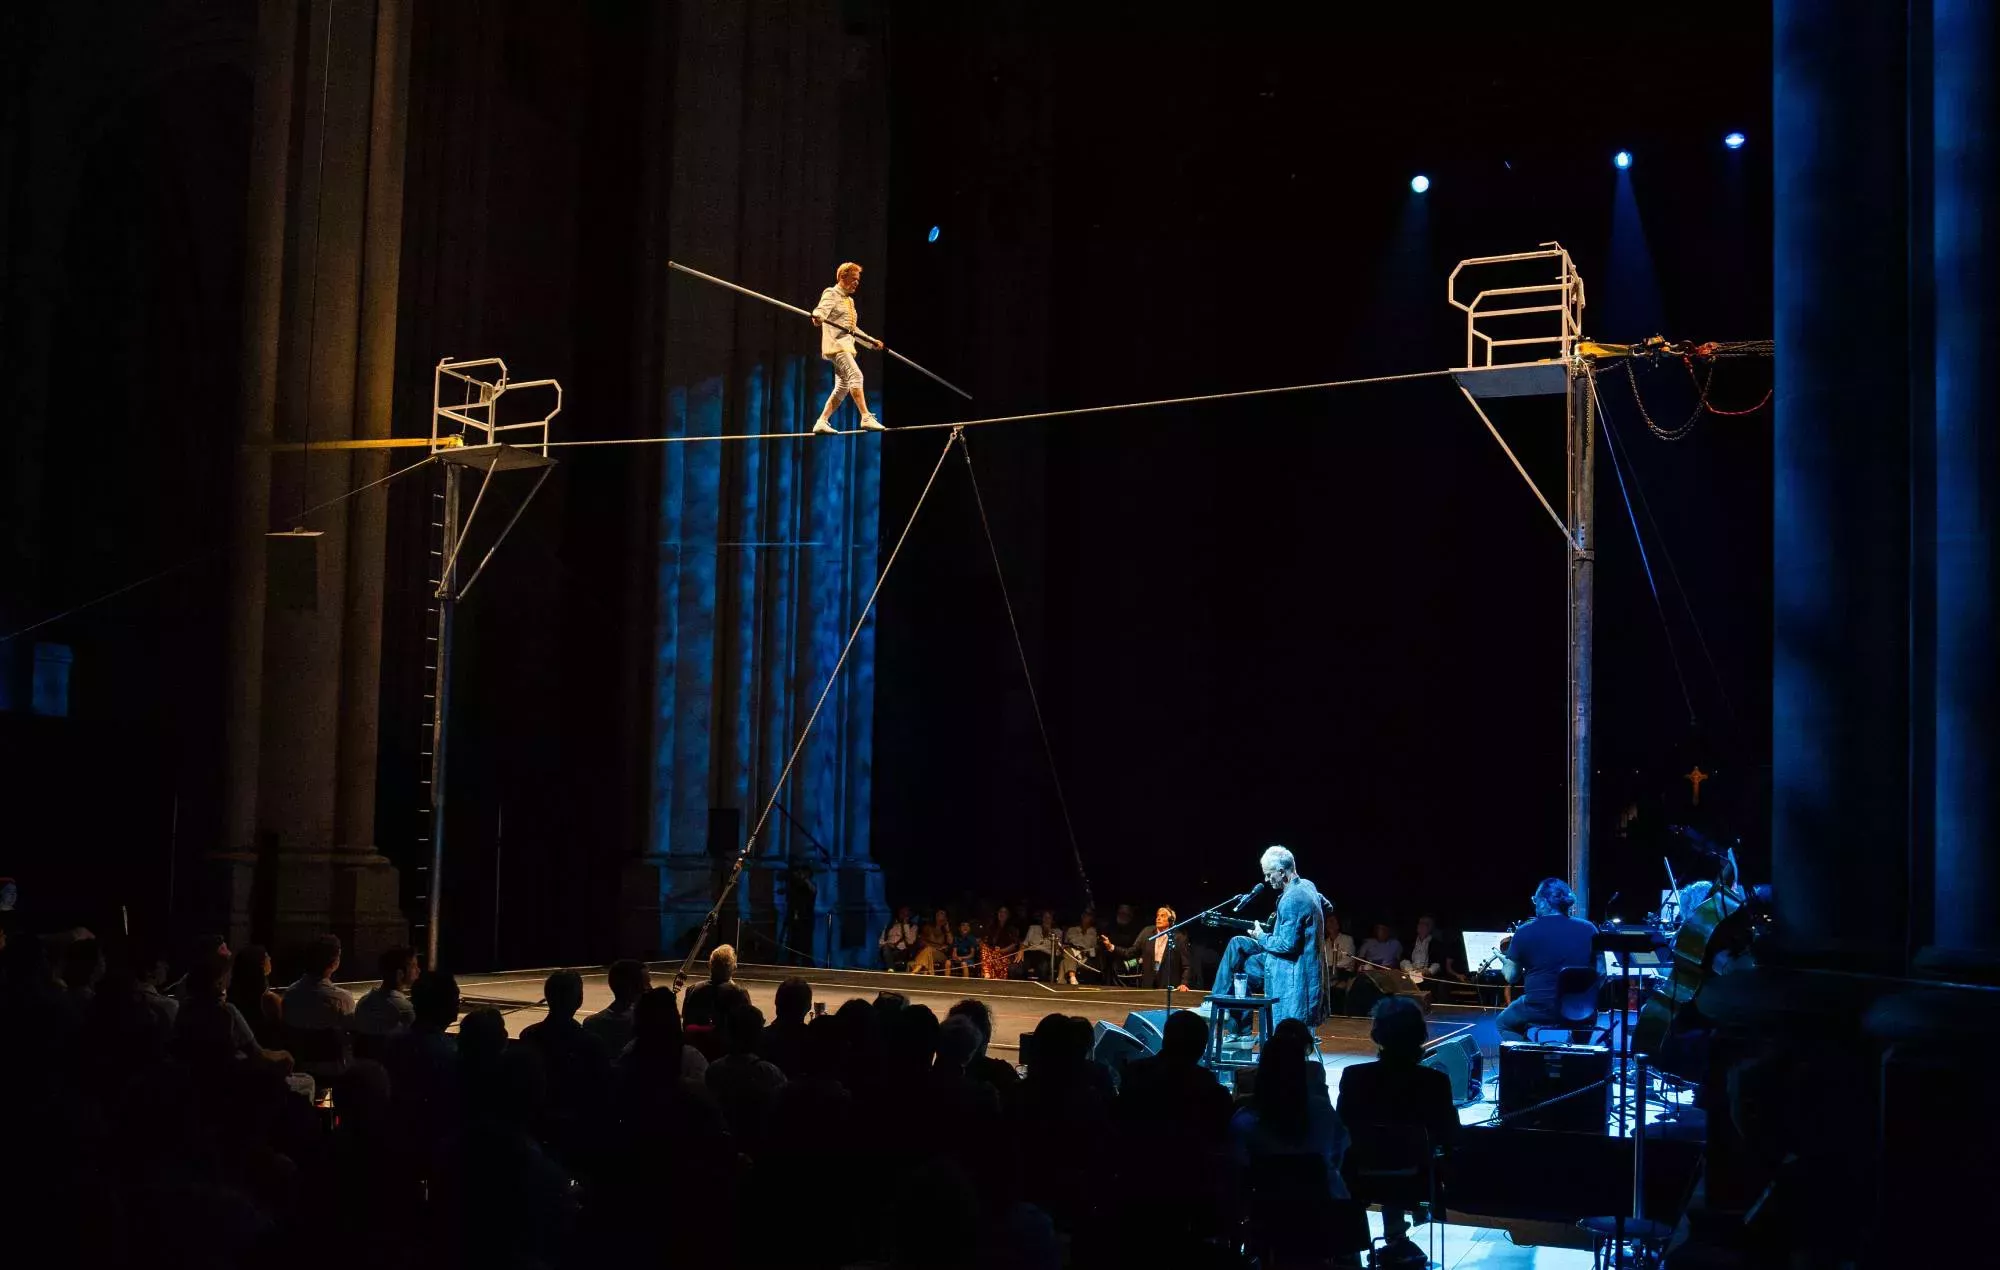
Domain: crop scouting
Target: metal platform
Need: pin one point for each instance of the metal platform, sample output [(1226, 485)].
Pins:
[(1521, 379), (494, 458)]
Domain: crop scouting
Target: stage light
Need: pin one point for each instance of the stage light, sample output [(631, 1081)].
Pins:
[(1734, 140), (932, 236), (1622, 160), (1420, 182)]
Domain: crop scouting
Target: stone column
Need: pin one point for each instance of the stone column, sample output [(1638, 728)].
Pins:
[(1966, 273), (263, 307), (306, 660), (1841, 503), (366, 894)]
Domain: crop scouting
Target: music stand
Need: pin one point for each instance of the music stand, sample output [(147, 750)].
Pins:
[(1624, 943)]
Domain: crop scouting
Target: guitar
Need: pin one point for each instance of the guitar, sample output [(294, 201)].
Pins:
[(1217, 921)]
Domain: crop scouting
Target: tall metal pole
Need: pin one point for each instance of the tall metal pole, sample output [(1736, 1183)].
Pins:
[(447, 598), (1582, 449)]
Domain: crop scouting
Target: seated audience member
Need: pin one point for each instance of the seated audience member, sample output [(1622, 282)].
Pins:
[(994, 1071), (573, 1062), (744, 1082), (666, 1137), (933, 946), (784, 1041), (1430, 952), (82, 967), (1064, 1098), (899, 941), (659, 1049), (385, 1009), (1121, 943), (1288, 1112), (1381, 950), (251, 993), (423, 1066), (1397, 1090), (964, 955), (199, 949), (702, 1024), (571, 1056), (612, 1026), (1083, 960), (314, 1003), (701, 1008), (1336, 950), (1041, 950), (957, 1108), (319, 1015), (999, 945), (482, 1043), (1171, 1095), (208, 1030), (149, 972)]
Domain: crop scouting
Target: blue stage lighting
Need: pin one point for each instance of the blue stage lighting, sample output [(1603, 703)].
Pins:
[(1622, 160), (1734, 140), (932, 236), (1420, 183)]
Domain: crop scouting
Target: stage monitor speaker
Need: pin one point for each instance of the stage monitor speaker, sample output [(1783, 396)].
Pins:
[(1371, 986), (1532, 1074), (1150, 1026), (1114, 1047), (1457, 1056)]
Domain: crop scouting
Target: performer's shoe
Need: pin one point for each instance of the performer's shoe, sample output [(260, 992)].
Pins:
[(1402, 1253), (869, 423), (825, 429)]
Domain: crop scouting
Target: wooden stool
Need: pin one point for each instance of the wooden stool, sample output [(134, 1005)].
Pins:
[(1262, 1011)]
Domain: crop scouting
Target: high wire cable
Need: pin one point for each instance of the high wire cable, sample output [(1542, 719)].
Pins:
[(1652, 584), (805, 733), (1034, 698), (1666, 553), (1025, 418), (204, 554)]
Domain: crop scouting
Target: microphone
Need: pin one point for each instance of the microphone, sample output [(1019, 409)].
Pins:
[(1249, 895)]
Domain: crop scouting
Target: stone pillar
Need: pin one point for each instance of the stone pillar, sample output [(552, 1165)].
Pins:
[(324, 274), (1966, 270), (1841, 504), (263, 307)]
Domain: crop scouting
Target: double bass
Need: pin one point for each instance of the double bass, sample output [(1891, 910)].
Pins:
[(1720, 923)]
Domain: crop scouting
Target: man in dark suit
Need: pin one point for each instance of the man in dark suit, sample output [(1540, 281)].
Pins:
[(1164, 960)]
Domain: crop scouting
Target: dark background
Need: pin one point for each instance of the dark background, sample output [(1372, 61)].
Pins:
[(1332, 619)]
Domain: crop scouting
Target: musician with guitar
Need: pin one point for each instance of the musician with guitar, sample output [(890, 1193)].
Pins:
[(1284, 962), (1536, 954)]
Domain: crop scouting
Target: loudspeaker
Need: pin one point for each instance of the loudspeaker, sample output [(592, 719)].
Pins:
[(725, 829), (1457, 1057), (1371, 986), (1113, 1046), (1531, 1074), (291, 563), (1150, 1026)]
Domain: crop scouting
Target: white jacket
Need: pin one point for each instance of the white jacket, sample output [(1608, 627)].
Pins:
[(838, 305)]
